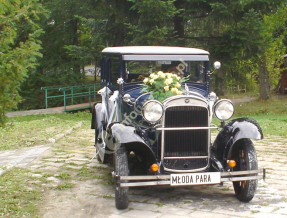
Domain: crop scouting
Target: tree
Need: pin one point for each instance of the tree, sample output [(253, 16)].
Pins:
[(152, 24), (235, 32), (273, 49), (19, 48)]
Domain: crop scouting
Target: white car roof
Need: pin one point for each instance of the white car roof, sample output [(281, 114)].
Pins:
[(155, 50)]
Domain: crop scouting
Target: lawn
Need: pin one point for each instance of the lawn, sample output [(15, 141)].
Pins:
[(37, 129), (34, 130), (271, 114)]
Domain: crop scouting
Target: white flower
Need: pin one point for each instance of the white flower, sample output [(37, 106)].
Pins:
[(179, 92), (151, 81), (174, 90), (145, 80), (152, 75), (177, 85), (166, 88), (169, 75), (168, 81), (120, 81), (155, 77)]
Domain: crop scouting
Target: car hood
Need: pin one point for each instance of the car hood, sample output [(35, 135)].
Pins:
[(135, 89)]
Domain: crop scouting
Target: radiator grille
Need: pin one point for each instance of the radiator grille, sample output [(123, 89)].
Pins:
[(186, 143)]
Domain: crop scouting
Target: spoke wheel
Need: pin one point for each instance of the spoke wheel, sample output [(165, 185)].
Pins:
[(245, 156), (121, 169)]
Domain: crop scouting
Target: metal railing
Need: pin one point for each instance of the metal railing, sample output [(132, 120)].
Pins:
[(71, 93)]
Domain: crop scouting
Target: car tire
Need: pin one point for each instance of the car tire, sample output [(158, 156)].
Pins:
[(121, 169), (245, 156)]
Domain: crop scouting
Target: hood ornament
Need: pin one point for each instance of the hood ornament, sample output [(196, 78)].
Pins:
[(186, 92)]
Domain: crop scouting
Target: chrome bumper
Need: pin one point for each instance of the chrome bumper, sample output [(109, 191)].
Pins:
[(156, 180)]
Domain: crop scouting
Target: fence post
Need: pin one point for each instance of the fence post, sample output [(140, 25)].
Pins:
[(89, 96), (94, 92), (46, 96), (72, 93), (64, 100)]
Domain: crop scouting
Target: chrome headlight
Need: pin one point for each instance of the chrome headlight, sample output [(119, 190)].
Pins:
[(223, 109), (152, 111)]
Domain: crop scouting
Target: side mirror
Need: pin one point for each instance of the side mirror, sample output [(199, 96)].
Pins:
[(217, 65)]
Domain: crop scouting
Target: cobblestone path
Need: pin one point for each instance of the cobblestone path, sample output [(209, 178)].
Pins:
[(76, 186)]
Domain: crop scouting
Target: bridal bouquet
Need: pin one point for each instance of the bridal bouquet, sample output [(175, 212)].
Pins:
[(163, 85)]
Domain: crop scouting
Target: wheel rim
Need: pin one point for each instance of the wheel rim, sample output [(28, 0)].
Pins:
[(242, 166)]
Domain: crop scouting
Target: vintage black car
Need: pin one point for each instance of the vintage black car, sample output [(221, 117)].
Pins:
[(154, 142)]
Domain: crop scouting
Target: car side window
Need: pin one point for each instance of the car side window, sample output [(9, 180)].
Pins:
[(113, 70)]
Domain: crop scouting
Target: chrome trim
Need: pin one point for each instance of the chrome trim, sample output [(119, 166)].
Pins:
[(195, 93), (216, 105), (165, 104), (134, 178), (136, 184), (237, 179), (186, 171), (157, 183), (165, 179), (187, 157), (175, 97), (184, 128), (143, 107), (240, 173), (135, 103)]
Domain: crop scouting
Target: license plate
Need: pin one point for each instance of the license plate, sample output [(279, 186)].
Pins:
[(194, 179)]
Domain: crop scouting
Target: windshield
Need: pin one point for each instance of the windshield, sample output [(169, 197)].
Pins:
[(196, 71)]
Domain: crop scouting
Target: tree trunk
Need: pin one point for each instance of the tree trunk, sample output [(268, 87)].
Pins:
[(264, 83), (220, 85), (178, 23)]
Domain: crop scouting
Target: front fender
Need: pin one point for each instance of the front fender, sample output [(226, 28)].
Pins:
[(127, 136), (235, 130)]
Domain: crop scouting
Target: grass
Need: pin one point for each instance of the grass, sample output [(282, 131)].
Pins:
[(17, 197), (275, 105), (64, 176), (270, 114), (34, 130), (87, 173), (37, 129), (160, 204), (65, 185), (231, 95)]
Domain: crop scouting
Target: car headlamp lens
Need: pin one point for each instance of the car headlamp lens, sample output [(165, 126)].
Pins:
[(223, 109), (152, 111)]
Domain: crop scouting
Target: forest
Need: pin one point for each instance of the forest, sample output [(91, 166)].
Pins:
[(49, 42)]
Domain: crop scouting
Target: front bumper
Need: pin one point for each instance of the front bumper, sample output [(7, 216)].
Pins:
[(156, 180)]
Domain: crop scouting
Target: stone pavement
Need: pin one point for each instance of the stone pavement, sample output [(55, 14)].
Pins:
[(92, 194), (20, 157)]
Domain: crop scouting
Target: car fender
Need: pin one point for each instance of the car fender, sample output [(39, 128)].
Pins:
[(241, 128), (127, 136)]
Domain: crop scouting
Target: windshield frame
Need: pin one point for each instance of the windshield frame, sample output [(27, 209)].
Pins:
[(197, 73)]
